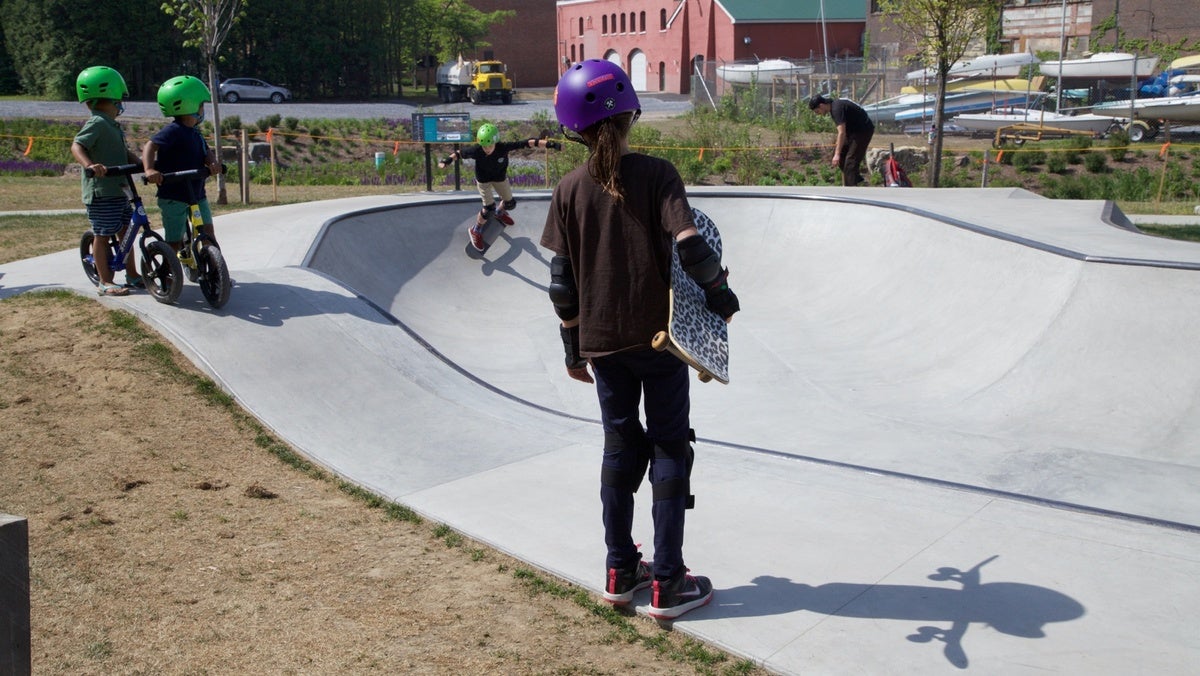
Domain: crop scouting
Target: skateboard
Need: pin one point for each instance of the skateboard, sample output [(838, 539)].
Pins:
[(491, 232), (696, 335)]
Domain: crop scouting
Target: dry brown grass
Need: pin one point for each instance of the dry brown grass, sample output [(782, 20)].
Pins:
[(167, 537)]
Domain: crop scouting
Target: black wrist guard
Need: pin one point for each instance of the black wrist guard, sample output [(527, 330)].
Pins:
[(570, 339), (720, 298), (553, 145)]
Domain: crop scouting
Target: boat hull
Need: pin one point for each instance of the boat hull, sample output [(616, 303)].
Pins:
[(763, 71), (1173, 108), (1106, 65), (1093, 124), (970, 101)]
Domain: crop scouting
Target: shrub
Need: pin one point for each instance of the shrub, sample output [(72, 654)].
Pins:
[(1065, 188), (1074, 145), (1027, 160), (1097, 163), (231, 125), (265, 123), (1056, 163), (1118, 145)]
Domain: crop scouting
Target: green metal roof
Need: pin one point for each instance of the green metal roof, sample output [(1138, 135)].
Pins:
[(793, 10)]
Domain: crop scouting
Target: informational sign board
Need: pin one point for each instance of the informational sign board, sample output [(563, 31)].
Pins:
[(441, 127)]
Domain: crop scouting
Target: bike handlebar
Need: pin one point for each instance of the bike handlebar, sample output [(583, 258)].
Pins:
[(186, 175), (117, 170)]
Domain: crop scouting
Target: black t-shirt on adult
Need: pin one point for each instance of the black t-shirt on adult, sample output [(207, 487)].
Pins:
[(847, 112)]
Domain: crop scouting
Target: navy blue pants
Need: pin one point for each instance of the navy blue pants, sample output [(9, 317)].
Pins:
[(663, 445)]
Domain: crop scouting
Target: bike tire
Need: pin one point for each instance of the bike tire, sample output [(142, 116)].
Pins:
[(162, 272), (213, 276), (85, 256)]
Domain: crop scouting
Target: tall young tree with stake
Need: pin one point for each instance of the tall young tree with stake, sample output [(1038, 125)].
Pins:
[(943, 30), (206, 24)]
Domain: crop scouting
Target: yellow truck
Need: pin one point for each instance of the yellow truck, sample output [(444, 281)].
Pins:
[(477, 81)]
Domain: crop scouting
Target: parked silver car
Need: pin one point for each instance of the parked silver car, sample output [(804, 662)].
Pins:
[(237, 88)]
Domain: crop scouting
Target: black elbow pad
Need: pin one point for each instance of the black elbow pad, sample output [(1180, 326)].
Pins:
[(703, 264), (699, 260), (563, 292)]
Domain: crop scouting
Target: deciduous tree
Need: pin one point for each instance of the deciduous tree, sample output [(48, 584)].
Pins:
[(207, 23), (943, 30)]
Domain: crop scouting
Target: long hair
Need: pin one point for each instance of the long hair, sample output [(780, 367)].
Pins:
[(606, 141)]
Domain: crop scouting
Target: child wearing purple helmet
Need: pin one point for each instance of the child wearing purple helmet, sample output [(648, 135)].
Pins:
[(612, 224)]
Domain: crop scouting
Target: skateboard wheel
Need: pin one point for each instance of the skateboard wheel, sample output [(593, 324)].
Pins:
[(660, 341), (704, 377)]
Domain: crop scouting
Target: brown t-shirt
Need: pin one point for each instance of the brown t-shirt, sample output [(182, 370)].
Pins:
[(620, 252)]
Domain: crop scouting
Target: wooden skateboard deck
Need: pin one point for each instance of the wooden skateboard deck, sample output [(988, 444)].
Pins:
[(696, 335), (491, 232)]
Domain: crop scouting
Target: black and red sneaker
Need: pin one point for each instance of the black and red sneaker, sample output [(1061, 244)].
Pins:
[(476, 234), (622, 583), (504, 217), (674, 597)]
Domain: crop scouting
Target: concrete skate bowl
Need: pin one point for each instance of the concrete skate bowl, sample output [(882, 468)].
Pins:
[(974, 339)]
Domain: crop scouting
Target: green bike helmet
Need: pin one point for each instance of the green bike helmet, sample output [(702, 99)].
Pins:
[(182, 95), (487, 134), (100, 82)]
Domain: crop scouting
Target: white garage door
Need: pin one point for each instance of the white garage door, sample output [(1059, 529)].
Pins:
[(637, 70)]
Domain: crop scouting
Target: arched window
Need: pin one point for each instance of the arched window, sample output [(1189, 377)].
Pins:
[(605, 25), (581, 56), (572, 53), (662, 19), (642, 21), (612, 20), (622, 22), (580, 26)]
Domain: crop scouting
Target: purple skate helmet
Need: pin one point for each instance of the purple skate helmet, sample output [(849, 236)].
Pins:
[(591, 91)]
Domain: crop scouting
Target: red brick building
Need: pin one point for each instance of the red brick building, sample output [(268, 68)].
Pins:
[(1167, 21), (660, 43), (1041, 25), (526, 42)]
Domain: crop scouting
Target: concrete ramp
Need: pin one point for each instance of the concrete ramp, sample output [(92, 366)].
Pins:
[(890, 337), (960, 432)]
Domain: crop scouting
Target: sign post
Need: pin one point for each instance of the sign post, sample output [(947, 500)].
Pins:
[(431, 128)]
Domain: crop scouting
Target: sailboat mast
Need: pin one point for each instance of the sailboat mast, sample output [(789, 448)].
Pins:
[(1062, 55)]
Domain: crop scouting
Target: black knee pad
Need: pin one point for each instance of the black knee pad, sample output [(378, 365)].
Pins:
[(511, 204), (681, 486), (629, 478)]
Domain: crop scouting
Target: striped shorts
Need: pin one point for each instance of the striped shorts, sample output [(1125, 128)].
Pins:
[(108, 215)]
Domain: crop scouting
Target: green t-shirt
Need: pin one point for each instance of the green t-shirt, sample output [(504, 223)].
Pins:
[(105, 143)]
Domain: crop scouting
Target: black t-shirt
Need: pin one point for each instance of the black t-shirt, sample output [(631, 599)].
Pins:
[(620, 252), (844, 111), (492, 167), (180, 148)]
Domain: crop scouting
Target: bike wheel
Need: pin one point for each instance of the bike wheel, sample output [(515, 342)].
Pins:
[(85, 256), (213, 276), (162, 272)]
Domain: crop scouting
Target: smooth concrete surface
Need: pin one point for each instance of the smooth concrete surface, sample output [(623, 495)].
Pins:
[(961, 431)]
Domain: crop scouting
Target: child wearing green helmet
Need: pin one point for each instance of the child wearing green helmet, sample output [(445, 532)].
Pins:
[(491, 174), (101, 142), (180, 146)]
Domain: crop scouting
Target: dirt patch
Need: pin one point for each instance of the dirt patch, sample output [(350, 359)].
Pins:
[(167, 537)]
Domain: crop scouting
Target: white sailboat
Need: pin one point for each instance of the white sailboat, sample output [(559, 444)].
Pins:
[(1102, 66), (761, 71)]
